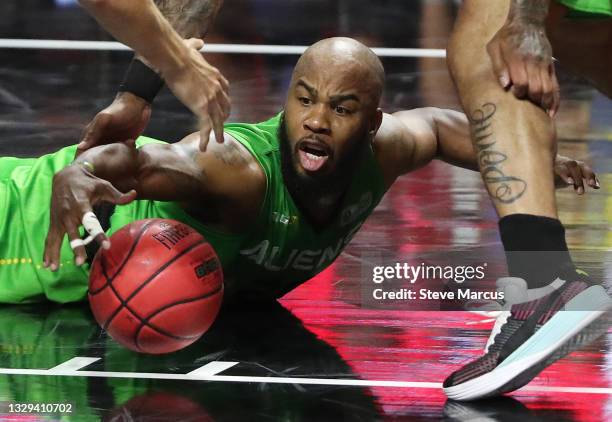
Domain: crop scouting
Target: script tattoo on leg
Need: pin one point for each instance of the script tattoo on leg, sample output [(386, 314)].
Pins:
[(503, 188)]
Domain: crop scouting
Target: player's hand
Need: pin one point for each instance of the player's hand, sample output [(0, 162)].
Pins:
[(522, 61), (122, 121), (203, 89), (75, 192), (569, 172)]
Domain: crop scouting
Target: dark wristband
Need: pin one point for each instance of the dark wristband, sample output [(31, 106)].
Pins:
[(141, 81)]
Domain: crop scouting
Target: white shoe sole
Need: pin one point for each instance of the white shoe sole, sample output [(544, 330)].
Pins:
[(566, 331)]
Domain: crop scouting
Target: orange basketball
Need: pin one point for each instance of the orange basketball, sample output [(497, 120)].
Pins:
[(158, 288)]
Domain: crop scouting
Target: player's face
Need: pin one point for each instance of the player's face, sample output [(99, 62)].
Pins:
[(326, 115)]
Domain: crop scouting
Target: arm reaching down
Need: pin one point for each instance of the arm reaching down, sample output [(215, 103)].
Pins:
[(142, 26), (224, 183), (157, 36)]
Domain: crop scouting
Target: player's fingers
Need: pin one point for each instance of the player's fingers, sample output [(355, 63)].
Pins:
[(77, 245), (217, 118), (589, 175), (556, 91), (205, 128), (94, 229), (576, 175), (86, 137), (548, 94), (534, 83), (223, 100), (563, 172), (224, 83), (499, 64), (53, 244), (94, 131), (126, 198), (105, 191), (520, 81)]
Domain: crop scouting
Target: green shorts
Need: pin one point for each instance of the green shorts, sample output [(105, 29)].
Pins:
[(25, 197)]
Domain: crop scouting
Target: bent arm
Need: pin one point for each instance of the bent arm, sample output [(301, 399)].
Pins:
[(224, 173), (179, 172), (220, 186)]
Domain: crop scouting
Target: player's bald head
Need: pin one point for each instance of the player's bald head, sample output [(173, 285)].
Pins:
[(344, 59)]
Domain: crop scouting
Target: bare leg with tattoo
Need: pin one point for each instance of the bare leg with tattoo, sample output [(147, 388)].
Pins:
[(515, 142)]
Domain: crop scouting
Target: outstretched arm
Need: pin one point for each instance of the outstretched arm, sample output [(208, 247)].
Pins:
[(225, 179), (408, 140), (157, 36)]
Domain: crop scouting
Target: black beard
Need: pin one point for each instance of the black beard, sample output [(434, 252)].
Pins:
[(307, 189)]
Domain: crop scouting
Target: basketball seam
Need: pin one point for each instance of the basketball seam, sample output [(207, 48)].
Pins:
[(124, 302), (125, 260), (145, 321)]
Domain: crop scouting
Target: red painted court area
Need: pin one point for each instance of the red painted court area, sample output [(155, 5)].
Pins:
[(400, 344)]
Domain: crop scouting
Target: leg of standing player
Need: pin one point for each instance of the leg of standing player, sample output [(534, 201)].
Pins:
[(515, 142)]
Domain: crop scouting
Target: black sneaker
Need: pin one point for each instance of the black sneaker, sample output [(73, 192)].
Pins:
[(542, 326)]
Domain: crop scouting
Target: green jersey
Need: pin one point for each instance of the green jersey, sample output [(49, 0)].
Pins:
[(281, 250), (596, 7)]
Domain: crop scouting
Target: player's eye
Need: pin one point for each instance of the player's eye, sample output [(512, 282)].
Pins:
[(342, 110), (305, 101)]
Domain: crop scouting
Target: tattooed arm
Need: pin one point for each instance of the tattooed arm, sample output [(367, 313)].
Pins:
[(155, 33), (140, 24), (149, 30), (522, 55), (190, 18)]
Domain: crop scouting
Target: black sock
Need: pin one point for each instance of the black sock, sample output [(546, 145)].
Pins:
[(535, 249)]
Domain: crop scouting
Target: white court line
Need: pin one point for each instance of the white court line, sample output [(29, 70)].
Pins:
[(276, 380), (34, 44), (211, 368), (222, 378), (73, 364), (584, 390)]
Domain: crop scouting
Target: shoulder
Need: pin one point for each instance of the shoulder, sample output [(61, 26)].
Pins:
[(227, 160), (393, 145), (402, 137)]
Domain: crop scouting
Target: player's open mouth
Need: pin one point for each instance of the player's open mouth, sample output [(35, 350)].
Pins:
[(313, 155)]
